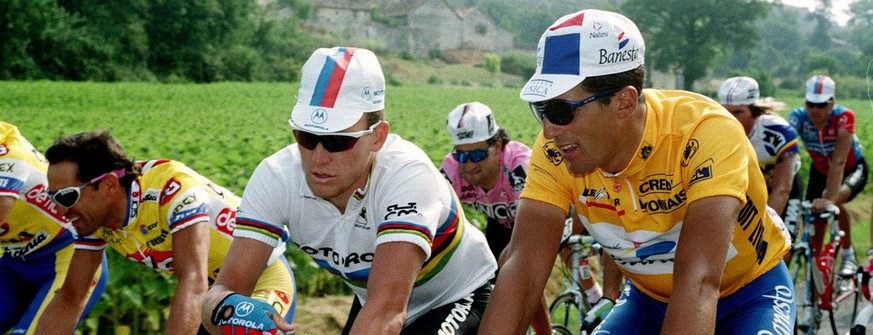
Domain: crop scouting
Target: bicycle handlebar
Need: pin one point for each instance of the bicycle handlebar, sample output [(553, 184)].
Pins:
[(580, 239), (832, 211)]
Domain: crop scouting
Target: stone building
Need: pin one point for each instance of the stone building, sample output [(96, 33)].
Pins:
[(417, 26)]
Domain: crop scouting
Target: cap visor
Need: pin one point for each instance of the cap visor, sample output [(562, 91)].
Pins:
[(544, 87)]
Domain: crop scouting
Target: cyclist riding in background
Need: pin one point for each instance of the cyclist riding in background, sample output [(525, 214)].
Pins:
[(838, 171), (366, 205), (36, 242), (158, 213), (487, 170), (775, 143), (663, 180)]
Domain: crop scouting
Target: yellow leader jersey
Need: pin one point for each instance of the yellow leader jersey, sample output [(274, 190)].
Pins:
[(33, 228), (168, 197), (691, 149)]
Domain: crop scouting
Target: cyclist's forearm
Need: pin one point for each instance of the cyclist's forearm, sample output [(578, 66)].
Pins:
[(612, 277), (682, 305), (185, 311)]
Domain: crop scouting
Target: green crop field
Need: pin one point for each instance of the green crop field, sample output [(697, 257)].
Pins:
[(223, 131)]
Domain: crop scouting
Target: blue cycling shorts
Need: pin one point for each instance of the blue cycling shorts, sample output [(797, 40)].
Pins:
[(764, 306), (27, 287)]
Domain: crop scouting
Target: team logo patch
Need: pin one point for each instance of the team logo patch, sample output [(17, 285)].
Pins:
[(645, 151), (690, 149), (170, 189), (516, 178), (361, 220), (702, 172), (397, 210), (318, 116), (552, 153)]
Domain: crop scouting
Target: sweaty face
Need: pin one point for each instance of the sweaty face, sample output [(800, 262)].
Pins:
[(744, 115), (818, 113), (89, 213), (484, 173), (585, 142), (334, 176)]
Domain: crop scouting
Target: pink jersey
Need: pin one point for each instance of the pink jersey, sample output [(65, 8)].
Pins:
[(499, 203)]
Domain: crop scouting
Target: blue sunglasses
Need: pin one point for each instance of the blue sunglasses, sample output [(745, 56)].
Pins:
[(474, 156)]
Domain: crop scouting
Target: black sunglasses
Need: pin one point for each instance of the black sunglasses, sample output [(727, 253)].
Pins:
[(474, 156), (817, 104), (332, 143), (561, 112), (67, 197)]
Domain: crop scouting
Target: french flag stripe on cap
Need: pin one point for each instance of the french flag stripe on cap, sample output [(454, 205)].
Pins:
[(331, 78), (561, 55), (819, 84), (573, 21)]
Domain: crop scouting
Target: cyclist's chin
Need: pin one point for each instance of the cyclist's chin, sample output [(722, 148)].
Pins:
[(579, 167)]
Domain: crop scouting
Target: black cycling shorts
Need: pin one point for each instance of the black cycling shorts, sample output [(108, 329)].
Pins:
[(854, 178), (460, 317)]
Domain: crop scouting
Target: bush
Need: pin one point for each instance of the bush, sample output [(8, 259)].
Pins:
[(491, 62), (436, 54), (518, 64), (850, 87)]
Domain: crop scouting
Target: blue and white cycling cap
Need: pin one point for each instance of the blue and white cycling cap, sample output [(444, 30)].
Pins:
[(820, 89), (583, 44), (337, 86)]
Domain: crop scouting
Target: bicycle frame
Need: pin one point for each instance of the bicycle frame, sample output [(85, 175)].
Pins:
[(574, 295), (816, 288)]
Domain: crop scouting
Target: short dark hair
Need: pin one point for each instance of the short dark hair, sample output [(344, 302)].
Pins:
[(374, 117), (501, 135), (95, 153), (635, 77), (758, 110)]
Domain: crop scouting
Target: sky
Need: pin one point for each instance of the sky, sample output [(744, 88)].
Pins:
[(839, 11)]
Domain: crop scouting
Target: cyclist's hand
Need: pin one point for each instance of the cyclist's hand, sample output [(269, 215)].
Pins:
[(820, 205), (239, 314), (597, 313)]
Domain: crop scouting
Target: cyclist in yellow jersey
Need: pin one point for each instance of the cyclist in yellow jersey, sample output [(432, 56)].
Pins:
[(159, 213), (665, 181), (35, 240)]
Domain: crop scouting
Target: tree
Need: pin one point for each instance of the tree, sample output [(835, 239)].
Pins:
[(821, 38), (687, 35), (861, 26)]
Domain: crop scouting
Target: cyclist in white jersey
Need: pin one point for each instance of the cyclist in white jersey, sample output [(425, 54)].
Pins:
[(775, 142), (366, 205)]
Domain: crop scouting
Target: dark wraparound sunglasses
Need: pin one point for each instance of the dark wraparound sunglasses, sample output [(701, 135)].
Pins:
[(817, 104), (474, 156), (68, 196), (561, 112), (332, 143)]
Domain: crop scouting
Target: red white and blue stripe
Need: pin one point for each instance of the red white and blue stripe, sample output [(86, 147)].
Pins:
[(330, 79)]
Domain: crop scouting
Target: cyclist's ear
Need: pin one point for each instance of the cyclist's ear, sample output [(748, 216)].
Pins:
[(381, 132)]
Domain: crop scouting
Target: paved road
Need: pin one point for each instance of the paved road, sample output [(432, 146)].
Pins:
[(843, 318)]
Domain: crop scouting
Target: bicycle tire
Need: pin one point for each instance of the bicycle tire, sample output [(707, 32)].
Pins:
[(808, 315), (564, 311), (558, 329)]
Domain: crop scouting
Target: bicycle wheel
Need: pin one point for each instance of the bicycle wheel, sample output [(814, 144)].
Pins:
[(564, 311), (808, 315)]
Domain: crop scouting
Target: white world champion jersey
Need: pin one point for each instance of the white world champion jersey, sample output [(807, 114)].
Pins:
[(406, 199), (772, 137)]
